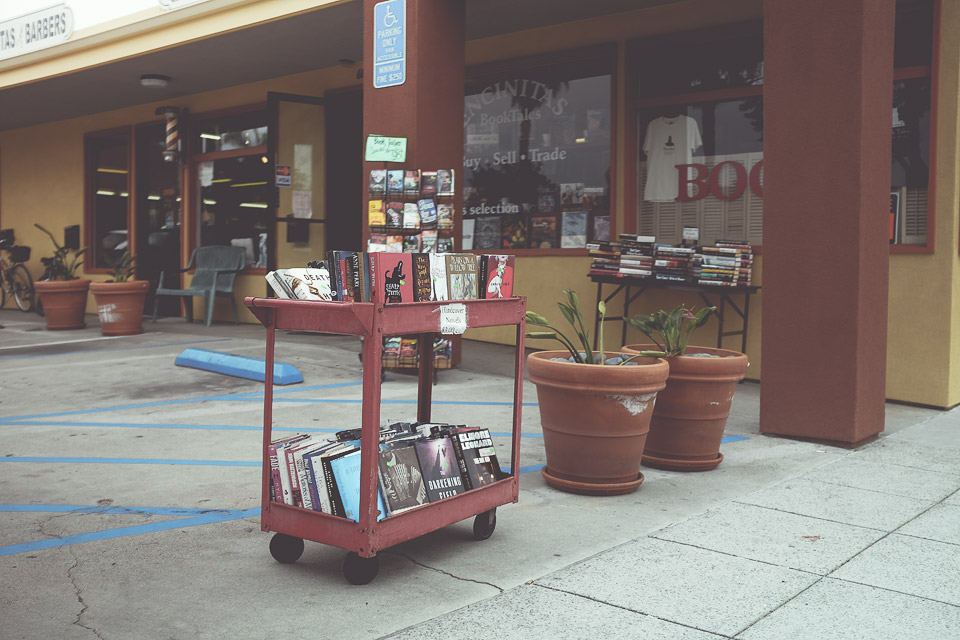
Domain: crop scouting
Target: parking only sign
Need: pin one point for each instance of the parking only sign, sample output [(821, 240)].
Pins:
[(389, 43)]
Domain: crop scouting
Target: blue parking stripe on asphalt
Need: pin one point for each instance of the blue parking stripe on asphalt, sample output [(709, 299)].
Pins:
[(85, 351)]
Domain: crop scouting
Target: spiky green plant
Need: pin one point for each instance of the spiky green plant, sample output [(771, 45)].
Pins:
[(670, 331), (63, 270), (122, 267), (581, 353)]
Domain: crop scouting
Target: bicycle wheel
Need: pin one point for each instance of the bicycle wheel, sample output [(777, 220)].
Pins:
[(22, 287)]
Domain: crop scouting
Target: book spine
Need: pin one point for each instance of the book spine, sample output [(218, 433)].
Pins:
[(356, 272), (303, 481), (344, 280), (333, 260), (336, 505), (295, 498), (461, 461), (365, 271), (276, 489)]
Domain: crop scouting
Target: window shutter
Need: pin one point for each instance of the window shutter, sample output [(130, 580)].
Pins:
[(914, 222)]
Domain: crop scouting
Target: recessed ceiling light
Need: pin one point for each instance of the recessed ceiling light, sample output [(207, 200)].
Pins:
[(154, 80)]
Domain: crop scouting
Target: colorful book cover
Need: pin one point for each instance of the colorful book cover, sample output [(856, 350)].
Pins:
[(429, 241), (396, 270), (411, 182), (445, 180), (486, 233), (438, 277), (377, 215), (394, 215), (326, 460), (394, 244), (346, 472), (444, 245), (428, 183), (411, 215), (543, 232), (378, 182), (498, 282), (400, 478), (411, 244), (444, 216), (428, 212), (439, 468), (377, 242), (422, 288), (514, 233), (476, 456), (461, 276), (395, 182)]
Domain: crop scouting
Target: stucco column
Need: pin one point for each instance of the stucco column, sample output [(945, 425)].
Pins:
[(828, 83), (427, 108)]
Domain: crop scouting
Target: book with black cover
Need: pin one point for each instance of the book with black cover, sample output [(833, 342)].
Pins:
[(428, 183), (400, 478), (439, 467), (476, 456), (378, 181), (422, 288)]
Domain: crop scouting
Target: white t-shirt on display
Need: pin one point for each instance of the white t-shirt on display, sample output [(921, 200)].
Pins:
[(669, 142)]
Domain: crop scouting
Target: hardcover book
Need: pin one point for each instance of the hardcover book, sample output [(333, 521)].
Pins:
[(394, 215), (438, 277), (428, 183), (498, 279), (543, 232), (326, 460), (400, 478), (547, 203), (346, 472), (378, 182), (411, 182), (571, 193), (476, 456), (486, 233), (377, 216), (428, 212), (422, 289), (395, 182), (393, 276), (439, 467), (461, 276), (445, 180), (301, 284), (411, 215), (277, 493), (573, 232), (514, 234)]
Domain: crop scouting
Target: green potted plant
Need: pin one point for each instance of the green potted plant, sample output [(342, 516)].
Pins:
[(63, 294), (120, 299), (692, 411), (595, 408)]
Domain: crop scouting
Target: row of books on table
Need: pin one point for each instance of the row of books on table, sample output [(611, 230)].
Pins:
[(726, 263), (353, 276), (417, 463)]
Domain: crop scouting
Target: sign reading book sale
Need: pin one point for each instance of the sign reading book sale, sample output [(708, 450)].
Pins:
[(384, 149)]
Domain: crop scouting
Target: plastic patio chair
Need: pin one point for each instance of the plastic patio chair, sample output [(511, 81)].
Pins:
[(216, 268)]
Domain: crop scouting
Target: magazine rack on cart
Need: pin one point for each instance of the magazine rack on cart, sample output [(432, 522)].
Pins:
[(367, 537)]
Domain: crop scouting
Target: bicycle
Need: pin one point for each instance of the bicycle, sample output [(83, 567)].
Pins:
[(14, 277)]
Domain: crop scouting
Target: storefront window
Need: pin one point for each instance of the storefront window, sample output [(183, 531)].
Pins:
[(108, 180), (537, 158), (235, 206), (227, 133), (699, 115)]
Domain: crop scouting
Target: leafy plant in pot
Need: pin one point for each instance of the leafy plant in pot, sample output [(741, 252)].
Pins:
[(63, 295), (120, 300), (595, 410), (692, 411)]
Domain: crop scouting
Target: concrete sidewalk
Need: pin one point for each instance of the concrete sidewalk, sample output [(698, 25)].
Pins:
[(130, 502)]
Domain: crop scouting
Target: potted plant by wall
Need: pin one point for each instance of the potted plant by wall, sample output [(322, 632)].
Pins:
[(63, 294), (120, 300), (595, 408), (692, 410)]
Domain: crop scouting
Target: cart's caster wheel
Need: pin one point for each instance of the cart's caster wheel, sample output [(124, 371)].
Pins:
[(286, 549), (484, 524), (360, 570)]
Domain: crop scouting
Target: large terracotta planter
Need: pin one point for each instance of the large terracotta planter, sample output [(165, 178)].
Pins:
[(120, 306), (595, 420), (692, 410), (64, 303)]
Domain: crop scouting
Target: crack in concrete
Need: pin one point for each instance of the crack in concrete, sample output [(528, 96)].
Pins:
[(446, 573), (79, 594)]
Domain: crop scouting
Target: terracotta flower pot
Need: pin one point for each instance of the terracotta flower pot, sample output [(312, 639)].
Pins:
[(64, 303), (120, 306), (595, 420), (692, 410)]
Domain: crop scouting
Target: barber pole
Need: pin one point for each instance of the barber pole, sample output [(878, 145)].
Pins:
[(171, 150)]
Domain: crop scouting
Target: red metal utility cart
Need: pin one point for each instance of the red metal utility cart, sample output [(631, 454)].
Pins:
[(364, 539)]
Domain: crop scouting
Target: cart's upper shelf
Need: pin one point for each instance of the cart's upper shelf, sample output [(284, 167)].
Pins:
[(369, 318)]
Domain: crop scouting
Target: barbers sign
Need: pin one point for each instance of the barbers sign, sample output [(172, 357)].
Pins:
[(36, 30)]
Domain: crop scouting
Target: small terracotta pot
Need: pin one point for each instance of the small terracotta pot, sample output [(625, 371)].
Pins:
[(120, 306), (692, 410), (64, 303), (595, 420)]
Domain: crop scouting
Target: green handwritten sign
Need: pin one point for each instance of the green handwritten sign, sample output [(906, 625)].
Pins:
[(384, 149)]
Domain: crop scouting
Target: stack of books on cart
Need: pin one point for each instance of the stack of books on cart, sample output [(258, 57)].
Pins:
[(417, 463), (726, 264), (636, 255), (354, 276)]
